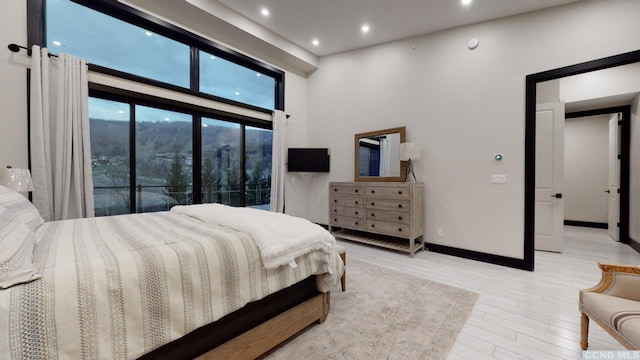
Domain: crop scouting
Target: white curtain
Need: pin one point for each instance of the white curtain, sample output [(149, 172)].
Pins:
[(278, 156), (59, 123)]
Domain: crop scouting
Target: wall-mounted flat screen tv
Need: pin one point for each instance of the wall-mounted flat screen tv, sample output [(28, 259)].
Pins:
[(308, 160)]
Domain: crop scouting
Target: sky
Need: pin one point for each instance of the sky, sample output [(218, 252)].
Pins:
[(112, 43)]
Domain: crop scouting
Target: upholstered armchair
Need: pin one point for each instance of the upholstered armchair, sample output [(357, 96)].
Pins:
[(614, 304)]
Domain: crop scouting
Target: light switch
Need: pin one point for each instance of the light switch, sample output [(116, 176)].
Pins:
[(498, 179)]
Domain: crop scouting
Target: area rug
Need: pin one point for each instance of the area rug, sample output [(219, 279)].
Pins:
[(384, 314)]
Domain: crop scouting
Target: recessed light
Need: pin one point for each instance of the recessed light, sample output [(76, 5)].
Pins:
[(237, 93), (213, 57), (120, 111), (258, 74), (264, 12), (365, 28), (148, 33), (315, 42), (57, 43), (204, 125), (466, 2), (166, 119)]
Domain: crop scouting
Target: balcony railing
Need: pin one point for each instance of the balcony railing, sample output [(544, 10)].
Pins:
[(116, 200)]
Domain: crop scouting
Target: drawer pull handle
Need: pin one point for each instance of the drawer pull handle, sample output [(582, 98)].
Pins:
[(356, 203), (400, 229), (356, 223), (373, 225), (336, 220), (400, 192), (373, 215), (399, 217), (356, 190), (399, 205), (335, 210), (335, 189), (373, 191), (335, 200), (356, 213), (372, 204)]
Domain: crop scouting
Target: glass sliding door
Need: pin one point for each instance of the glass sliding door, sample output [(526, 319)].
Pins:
[(164, 159), (258, 144), (221, 162), (109, 123)]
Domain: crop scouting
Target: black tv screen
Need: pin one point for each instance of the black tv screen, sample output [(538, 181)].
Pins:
[(308, 160)]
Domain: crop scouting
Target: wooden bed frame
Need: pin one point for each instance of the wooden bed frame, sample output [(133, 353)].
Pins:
[(253, 330)]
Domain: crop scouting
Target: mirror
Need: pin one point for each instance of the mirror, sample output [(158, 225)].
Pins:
[(377, 155)]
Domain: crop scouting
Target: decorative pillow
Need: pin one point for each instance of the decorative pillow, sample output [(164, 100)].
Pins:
[(16, 251), (21, 207)]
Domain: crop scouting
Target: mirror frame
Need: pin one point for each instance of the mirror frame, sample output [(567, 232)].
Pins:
[(403, 164)]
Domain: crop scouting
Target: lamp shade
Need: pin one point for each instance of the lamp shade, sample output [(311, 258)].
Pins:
[(16, 179), (409, 151)]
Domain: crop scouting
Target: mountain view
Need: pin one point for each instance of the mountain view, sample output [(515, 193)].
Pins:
[(164, 164)]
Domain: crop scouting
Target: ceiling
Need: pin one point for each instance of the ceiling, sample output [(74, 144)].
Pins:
[(336, 23)]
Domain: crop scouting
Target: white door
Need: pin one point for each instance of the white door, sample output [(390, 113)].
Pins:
[(614, 178), (549, 204)]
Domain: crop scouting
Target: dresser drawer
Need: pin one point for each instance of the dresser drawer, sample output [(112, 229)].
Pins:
[(387, 228), (388, 204), (351, 201), (389, 216), (400, 192), (356, 212), (347, 222), (346, 189)]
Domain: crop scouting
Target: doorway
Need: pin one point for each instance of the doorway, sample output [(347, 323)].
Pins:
[(596, 179), (530, 147)]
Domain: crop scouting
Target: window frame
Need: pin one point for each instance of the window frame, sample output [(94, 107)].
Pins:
[(133, 99), (36, 35)]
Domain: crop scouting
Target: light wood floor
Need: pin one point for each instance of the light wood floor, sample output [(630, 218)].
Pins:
[(519, 314)]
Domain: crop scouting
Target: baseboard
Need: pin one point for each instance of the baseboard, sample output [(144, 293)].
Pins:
[(588, 224), (480, 256), (635, 245)]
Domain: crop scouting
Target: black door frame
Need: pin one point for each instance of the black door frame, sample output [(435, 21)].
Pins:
[(530, 146)]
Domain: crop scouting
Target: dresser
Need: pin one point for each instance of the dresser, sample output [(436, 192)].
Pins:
[(386, 214)]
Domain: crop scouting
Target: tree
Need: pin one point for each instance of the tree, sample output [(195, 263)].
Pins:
[(177, 180), (209, 179), (254, 185)]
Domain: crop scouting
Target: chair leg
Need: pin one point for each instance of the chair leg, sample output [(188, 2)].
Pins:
[(343, 280), (584, 331)]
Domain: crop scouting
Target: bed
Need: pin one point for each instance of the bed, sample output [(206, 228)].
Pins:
[(172, 284)]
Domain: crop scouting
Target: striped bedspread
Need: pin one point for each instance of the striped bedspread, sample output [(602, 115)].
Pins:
[(118, 287)]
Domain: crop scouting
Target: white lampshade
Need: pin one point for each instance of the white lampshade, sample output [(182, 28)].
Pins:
[(409, 151), (16, 179)]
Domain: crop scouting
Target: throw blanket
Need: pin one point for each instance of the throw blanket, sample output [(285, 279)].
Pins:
[(280, 237)]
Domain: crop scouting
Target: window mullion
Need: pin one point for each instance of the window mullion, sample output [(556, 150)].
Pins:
[(132, 159), (197, 159)]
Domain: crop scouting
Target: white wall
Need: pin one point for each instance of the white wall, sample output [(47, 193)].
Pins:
[(462, 106), (634, 199), (602, 83), (13, 76), (586, 169)]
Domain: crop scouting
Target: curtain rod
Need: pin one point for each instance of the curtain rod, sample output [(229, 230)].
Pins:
[(16, 48)]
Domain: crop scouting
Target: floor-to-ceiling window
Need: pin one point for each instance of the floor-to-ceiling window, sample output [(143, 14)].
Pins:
[(151, 152), (110, 162), (164, 158)]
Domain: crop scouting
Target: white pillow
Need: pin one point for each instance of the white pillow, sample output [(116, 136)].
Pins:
[(21, 207), (16, 251)]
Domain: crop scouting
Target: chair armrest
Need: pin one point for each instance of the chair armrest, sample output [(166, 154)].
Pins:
[(607, 283)]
